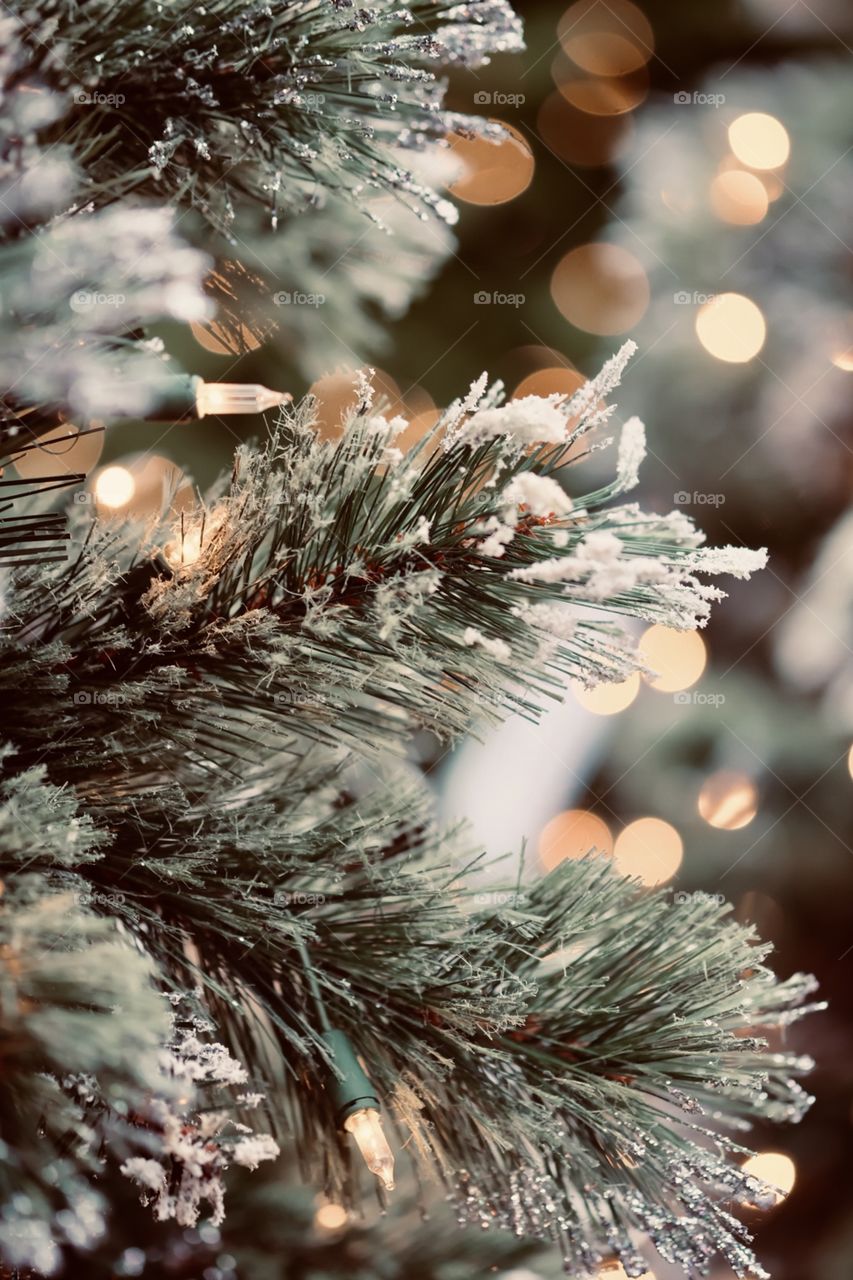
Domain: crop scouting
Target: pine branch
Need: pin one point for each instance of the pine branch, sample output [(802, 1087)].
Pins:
[(581, 1044), (75, 1002), (341, 592), (261, 103)]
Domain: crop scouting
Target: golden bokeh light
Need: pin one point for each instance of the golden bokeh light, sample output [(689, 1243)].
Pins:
[(680, 200), (678, 657), (728, 800), (650, 850), (419, 426), (850, 762), (495, 172), (739, 197), (608, 699), (62, 451), (331, 1217), (600, 95), (731, 328), (606, 37), (418, 400), (773, 184), (114, 488), (145, 485), (558, 380), (773, 1167), (615, 1270), (601, 288), (546, 382), (572, 834), (759, 141), (582, 140), (225, 340), (844, 360), (337, 392)]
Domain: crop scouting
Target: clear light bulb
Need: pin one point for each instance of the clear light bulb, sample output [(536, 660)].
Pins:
[(236, 397), (366, 1127), (184, 551)]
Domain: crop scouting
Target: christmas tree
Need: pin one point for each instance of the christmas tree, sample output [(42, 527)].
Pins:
[(233, 934)]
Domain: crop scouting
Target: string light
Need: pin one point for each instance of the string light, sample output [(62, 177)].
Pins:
[(226, 398), (353, 1096), (728, 800), (357, 1106), (731, 328), (189, 396), (185, 550), (366, 1128), (759, 141)]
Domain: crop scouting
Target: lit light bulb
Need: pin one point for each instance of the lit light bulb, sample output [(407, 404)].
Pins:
[(185, 550), (366, 1127), (235, 397)]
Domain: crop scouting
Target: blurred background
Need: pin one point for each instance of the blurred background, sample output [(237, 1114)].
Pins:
[(680, 174)]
